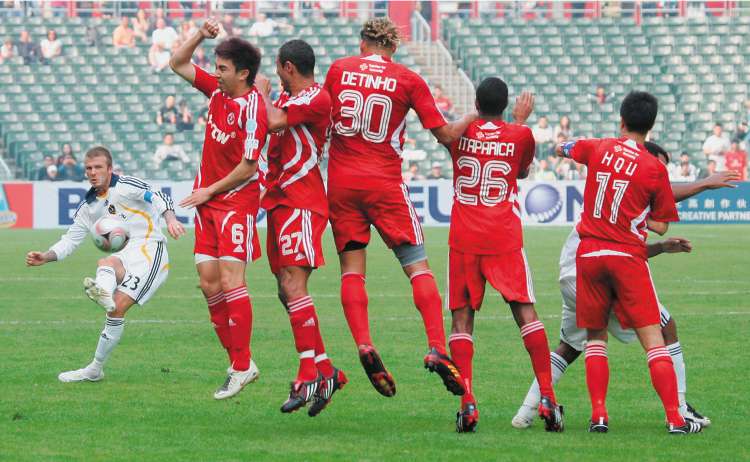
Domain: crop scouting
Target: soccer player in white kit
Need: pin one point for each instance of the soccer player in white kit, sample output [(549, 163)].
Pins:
[(129, 276)]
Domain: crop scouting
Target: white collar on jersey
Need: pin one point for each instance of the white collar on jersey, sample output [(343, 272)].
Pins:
[(375, 57), (488, 126)]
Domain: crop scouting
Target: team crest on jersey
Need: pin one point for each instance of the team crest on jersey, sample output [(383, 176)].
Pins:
[(230, 118), (111, 209)]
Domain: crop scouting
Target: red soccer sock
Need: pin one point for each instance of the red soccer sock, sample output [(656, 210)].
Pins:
[(535, 341), (462, 353), (324, 365), (354, 301), (665, 383), (219, 314), (240, 326), (427, 300), (597, 378), (304, 325)]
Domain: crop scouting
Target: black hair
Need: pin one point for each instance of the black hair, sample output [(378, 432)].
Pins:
[(299, 53), (638, 111), (657, 150), (242, 54), (492, 96)]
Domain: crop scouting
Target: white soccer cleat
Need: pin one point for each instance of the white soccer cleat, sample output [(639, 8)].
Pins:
[(524, 417), (688, 412), (236, 381), (98, 295), (81, 375)]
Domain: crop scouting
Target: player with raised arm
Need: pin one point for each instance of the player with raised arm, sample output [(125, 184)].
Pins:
[(371, 97), (298, 214), (573, 338), (627, 192), (486, 241), (226, 192), (130, 276)]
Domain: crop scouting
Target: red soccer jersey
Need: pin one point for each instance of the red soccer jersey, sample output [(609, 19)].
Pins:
[(236, 128), (487, 160), (371, 96), (736, 161), (294, 177), (624, 186)]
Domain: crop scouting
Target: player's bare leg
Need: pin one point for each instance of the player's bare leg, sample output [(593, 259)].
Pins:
[(101, 289), (461, 342), (535, 341), (664, 379), (560, 359), (108, 340), (428, 302)]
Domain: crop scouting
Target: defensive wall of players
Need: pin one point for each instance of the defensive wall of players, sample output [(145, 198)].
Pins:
[(44, 205)]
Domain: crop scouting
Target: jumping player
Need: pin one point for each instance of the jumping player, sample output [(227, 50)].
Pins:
[(298, 214), (371, 96), (226, 192), (130, 276), (627, 191), (572, 338), (486, 242)]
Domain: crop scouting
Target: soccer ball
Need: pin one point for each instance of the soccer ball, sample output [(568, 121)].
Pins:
[(110, 234)]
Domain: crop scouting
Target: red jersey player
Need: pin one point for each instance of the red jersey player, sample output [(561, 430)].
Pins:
[(486, 241), (371, 97), (298, 214), (627, 191), (226, 192)]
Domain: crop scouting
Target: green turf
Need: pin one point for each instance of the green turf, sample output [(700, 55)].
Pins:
[(156, 401)]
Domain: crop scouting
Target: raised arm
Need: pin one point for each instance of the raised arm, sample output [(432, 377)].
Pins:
[(450, 132), (719, 180), (180, 60), (67, 244)]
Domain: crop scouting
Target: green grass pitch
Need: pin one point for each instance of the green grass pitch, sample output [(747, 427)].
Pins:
[(156, 400)]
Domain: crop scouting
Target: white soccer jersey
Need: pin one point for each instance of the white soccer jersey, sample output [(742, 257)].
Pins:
[(128, 198), (568, 255)]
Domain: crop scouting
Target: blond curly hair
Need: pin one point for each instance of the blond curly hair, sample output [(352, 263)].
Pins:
[(382, 32)]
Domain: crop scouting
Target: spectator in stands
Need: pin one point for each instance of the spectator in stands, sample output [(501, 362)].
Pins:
[(709, 170), (8, 50), (443, 103), (543, 171), (736, 160), (413, 173), (158, 58), (563, 127), (141, 26), (227, 25), (716, 145), (51, 174), (263, 26), (168, 151), (683, 169), (66, 149), (747, 111), (123, 35), (27, 48), (187, 29), (91, 36), (200, 59), (185, 118), (51, 47), (601, 96), (203, 115), (159, 16), (168, 114), (163, 39), (544, 135), (41, 173), (70, 169), (436, 172), (741, 135)]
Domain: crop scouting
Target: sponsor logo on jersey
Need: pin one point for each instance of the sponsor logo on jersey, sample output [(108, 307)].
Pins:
[(218, 134), (543, 203)]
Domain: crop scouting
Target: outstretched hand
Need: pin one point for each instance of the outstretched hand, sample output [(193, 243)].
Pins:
[(35, 259), (196, 198), (722, 180), (676, 245), (524, 107)]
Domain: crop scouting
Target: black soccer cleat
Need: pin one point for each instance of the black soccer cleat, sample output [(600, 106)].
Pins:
[(300, 394), (443, 365), (689, 427), (600, 426), (467, 418), (552, 414), (325, 392), (380, 378)]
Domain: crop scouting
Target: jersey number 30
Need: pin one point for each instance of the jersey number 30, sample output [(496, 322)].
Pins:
[(359, 112), (492, 190)]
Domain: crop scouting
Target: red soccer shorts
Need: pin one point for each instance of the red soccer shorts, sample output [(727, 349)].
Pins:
[(389, 209), (226, 234), (468, 274), (613, 280), (295, 238)]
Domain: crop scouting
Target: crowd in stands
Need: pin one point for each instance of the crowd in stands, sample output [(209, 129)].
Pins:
[(63, 168)]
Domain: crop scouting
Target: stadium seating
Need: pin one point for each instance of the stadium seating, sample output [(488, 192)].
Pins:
[(697, 69)]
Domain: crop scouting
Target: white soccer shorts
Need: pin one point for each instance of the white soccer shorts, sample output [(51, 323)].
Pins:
[(146, 269)]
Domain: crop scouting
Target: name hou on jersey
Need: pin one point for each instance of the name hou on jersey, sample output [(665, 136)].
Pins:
[(129, 198)]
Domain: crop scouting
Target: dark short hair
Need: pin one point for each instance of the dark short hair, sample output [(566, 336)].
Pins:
[(718, 124), (99, 151), (492, 96), (242, 54), (638, 111), (299, 53), (657, 150)]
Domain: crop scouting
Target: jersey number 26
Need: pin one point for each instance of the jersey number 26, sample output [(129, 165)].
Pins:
[(492, 190)]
